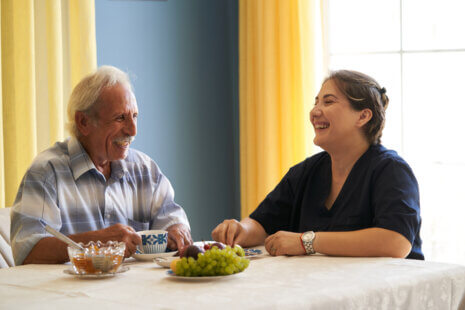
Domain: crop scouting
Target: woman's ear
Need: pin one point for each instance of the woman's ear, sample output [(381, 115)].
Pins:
[(364, 117), (83, 123)]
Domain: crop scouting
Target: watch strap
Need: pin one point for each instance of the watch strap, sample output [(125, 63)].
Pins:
[(302, 242), (308, 244)]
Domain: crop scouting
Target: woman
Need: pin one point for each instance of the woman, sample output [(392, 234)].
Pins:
[(354, 199)]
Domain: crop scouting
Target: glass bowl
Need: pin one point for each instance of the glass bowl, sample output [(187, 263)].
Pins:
[(97, 257)]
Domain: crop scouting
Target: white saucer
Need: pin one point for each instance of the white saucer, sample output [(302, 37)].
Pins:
[(165, 261), (150, 257), (71, 272)]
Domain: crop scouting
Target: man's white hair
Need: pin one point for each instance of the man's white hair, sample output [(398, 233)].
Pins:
[(84, 97)]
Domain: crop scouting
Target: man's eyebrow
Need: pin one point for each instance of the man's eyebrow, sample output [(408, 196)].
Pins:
[(118, 113)]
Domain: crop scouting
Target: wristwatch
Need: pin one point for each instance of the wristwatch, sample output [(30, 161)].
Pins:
[(307, 239)]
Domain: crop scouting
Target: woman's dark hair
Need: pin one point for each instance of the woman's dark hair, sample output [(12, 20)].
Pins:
[(363, 92)]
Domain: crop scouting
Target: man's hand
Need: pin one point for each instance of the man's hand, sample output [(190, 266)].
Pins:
[(179, 236), (284, 243), (124, 233)]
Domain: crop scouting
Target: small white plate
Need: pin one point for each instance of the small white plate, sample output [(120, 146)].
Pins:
[(252, 252), (150, 257), (71, 272), (171, 274), (165, 262)]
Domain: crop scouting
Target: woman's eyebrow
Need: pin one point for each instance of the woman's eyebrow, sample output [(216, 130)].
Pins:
[(326, 96), (329, 95)]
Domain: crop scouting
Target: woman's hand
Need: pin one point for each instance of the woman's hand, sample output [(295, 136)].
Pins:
[(230, 232), (284, 243), (247, 232)]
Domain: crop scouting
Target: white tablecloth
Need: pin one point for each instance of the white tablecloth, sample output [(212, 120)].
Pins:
[(310, 282)]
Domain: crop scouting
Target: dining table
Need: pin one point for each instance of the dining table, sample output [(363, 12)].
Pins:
[(269, 282)]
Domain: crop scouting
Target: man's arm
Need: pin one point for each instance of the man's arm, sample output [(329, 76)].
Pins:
[(50, 250), (37, 200), (167, 214)]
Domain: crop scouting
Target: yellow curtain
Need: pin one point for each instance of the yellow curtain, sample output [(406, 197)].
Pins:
[(2, 170), (280, 67), (46, 47)]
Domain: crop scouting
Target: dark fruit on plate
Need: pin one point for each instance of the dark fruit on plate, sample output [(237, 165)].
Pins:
[(206, 246), (219, 245), (191, 251)]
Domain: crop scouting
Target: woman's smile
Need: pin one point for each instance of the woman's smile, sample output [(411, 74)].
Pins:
[(320, 125)]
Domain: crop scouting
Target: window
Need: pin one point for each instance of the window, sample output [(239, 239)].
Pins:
[(416, 50)]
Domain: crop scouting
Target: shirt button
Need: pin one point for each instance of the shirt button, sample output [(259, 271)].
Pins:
[(107, 216)]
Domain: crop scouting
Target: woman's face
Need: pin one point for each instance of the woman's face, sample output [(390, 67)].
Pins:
[(335, 122)]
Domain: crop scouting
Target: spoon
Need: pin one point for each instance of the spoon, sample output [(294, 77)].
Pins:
[(100, 262), (61, 236)]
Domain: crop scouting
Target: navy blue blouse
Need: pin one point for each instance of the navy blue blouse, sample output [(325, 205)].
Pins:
[(380, 191)]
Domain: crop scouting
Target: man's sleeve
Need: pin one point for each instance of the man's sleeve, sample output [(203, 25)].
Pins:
[(164, 211), (36, 199)]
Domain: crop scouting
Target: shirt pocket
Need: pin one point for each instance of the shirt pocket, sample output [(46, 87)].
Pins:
[(139, 226)]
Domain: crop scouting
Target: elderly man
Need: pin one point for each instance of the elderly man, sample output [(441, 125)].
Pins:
[(93, 186)]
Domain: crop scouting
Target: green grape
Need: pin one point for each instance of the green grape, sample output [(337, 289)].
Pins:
[(239, 250), (184, 263), (213, 262), (179, 267)]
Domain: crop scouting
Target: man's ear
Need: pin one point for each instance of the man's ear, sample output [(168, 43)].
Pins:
[(83, 123), (364, 117)]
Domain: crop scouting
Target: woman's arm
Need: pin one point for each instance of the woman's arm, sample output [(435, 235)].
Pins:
[(368, 242)]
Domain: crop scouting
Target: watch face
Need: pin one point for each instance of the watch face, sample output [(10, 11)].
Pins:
[(307, 237)]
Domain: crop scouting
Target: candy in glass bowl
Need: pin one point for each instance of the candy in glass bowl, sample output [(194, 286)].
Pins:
[(97, 257)]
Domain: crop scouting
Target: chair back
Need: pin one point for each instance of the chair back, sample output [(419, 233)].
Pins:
[(6, 256)]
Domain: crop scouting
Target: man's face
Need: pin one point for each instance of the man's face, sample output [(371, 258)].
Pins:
[(115, 125)]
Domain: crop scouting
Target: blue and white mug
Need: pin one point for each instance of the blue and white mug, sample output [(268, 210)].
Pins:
[(153, 241)]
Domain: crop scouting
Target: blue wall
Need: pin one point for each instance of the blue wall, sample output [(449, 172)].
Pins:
[(182, 57)]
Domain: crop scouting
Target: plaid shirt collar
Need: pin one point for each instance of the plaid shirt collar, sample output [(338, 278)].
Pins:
[(81, 163)]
